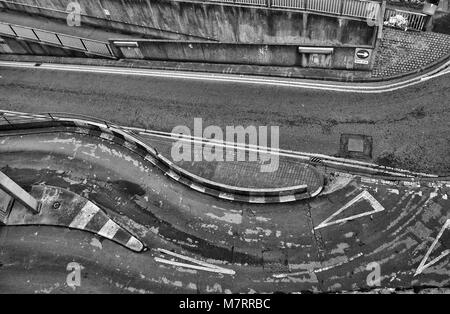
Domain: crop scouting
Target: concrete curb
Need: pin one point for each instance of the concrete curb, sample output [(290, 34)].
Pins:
[(218, 190)]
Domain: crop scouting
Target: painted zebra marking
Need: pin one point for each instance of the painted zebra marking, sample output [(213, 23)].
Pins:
[(84, 216), (423, 264), (376, 206)]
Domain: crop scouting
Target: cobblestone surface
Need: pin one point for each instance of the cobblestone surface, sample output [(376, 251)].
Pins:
[(405, 51)]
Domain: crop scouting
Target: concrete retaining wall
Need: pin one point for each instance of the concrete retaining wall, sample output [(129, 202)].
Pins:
[(226, 23), (232, 53)]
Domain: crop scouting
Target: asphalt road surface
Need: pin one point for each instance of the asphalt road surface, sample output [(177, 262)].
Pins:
[(334, 242), (410, 127)]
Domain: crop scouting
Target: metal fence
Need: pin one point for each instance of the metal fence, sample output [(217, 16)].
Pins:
[(415, 21), (353, 8), (56, 39)]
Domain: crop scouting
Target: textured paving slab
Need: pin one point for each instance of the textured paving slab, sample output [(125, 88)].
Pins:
[(288, 172), (401, 52)]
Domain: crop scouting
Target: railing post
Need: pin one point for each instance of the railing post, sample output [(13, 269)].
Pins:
[(7, 120), (84, 46), (37, 37), (109, 50), (12, 29), (341, 8), (59, 39), (381, 19)]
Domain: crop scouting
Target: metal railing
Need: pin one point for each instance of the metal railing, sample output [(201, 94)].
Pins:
[(353, 8), (56, 39), (415, 21)]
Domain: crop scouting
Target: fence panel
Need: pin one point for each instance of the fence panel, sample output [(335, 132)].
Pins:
[(24, 32), (291, 4), (47, 37), (415, 21), (252, 2), (70, 41), (363, 9), (325, 6), (97, 47), (6, 29)]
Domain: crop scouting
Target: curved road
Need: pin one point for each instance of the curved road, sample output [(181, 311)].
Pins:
[(410, 127)]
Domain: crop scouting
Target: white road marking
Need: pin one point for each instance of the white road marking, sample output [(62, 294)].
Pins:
[(376, 206), (109, 230), (423, 264), (134, 244), (203, 265), (345, 87), (213, 270), (84, 216)]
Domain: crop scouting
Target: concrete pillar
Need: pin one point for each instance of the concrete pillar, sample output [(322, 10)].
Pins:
[(381, 19), (443, 6)]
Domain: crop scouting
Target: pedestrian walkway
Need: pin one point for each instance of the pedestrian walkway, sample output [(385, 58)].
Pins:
[(402, 52), (287, 172)]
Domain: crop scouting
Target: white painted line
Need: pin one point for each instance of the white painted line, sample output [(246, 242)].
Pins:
[(134, 244), (376, 206), (213, 270), (189, 259), (109, 230), (286, 275), (84, 216), (202, 265), (338, 264), (423, 265)]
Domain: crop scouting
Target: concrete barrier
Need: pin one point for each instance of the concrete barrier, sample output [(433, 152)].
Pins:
[(330, 57), (222, 22)]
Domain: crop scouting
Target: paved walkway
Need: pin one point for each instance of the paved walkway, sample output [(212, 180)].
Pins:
[(405, 51), (247, 174)]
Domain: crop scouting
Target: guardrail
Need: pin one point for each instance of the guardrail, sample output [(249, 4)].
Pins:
[(415, 21), (57, 39), (353, 8)]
